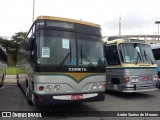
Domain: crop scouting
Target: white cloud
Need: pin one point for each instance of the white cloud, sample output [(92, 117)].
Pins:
[(138, 16)]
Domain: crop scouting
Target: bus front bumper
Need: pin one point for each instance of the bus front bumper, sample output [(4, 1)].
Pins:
[(139, 87), (51, 100)]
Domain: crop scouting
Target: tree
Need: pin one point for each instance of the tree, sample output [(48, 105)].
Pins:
[(19, 36), (11, 46), (15, 42), (4, 42)]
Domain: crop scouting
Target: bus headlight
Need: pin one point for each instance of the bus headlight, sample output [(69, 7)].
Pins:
[(49, 88), (94, 86), (100, 86), (155, 77), (57, 87), (134, 79)]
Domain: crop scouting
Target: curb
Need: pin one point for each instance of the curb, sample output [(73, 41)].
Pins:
[(10, 77)]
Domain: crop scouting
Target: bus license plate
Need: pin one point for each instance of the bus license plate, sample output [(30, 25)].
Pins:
[(77, 97)]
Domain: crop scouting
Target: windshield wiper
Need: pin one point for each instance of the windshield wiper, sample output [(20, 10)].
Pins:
[(147, 57), (138, 58), (67, 55), (65, 58), (86, 58)]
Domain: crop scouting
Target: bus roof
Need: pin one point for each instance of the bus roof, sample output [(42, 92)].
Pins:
[(155, 46), (110, 40), (67, 20)]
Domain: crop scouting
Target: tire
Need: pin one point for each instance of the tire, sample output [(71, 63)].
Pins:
[(29, 101), (28, 97), (1, 83), (3, 77)]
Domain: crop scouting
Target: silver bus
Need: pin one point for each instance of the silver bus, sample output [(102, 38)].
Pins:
[(61, 61), (131, 65)]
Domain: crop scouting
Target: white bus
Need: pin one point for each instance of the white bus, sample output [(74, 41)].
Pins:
[(61, 61)]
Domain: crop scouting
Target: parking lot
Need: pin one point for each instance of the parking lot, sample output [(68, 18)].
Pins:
[(13, 99)]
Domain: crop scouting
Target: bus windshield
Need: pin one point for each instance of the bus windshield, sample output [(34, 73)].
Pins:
[(90, 50), (59, 48), (56, 47), (136, 53)]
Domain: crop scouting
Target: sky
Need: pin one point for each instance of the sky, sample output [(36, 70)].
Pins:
[(137, 16)]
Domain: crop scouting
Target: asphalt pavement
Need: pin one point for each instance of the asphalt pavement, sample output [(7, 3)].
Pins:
[(13, 99)]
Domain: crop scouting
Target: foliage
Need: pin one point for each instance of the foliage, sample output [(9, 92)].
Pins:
[(18, 37), (11, 46), (11, 71), (16, 40), (4, 42)]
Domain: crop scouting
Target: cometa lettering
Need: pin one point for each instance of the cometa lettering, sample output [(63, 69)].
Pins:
[(77, 69)]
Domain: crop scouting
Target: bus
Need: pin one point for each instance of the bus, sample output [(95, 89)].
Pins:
[(3, 65), (156, 53), (62, 61), (131, 65)]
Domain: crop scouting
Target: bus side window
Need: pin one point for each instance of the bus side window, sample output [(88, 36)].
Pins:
[(111, 55)]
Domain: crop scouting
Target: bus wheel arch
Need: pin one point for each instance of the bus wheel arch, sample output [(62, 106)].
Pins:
[(28, 93)]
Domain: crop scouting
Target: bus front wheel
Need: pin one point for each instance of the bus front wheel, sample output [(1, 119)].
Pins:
[(28, 97)]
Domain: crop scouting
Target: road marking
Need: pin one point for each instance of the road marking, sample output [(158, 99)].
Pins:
[(2, 87)]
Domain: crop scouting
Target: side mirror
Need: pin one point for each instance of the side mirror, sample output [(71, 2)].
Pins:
[(30, 44)]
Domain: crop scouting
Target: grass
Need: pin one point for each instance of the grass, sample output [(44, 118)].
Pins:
[(14, 71), (11, 71), (10, 59)]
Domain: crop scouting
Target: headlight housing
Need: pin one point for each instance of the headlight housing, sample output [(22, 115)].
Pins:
[(134, 79), (94, 86), (100, 86), (57, 87), (155, 77), (49, 88)]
